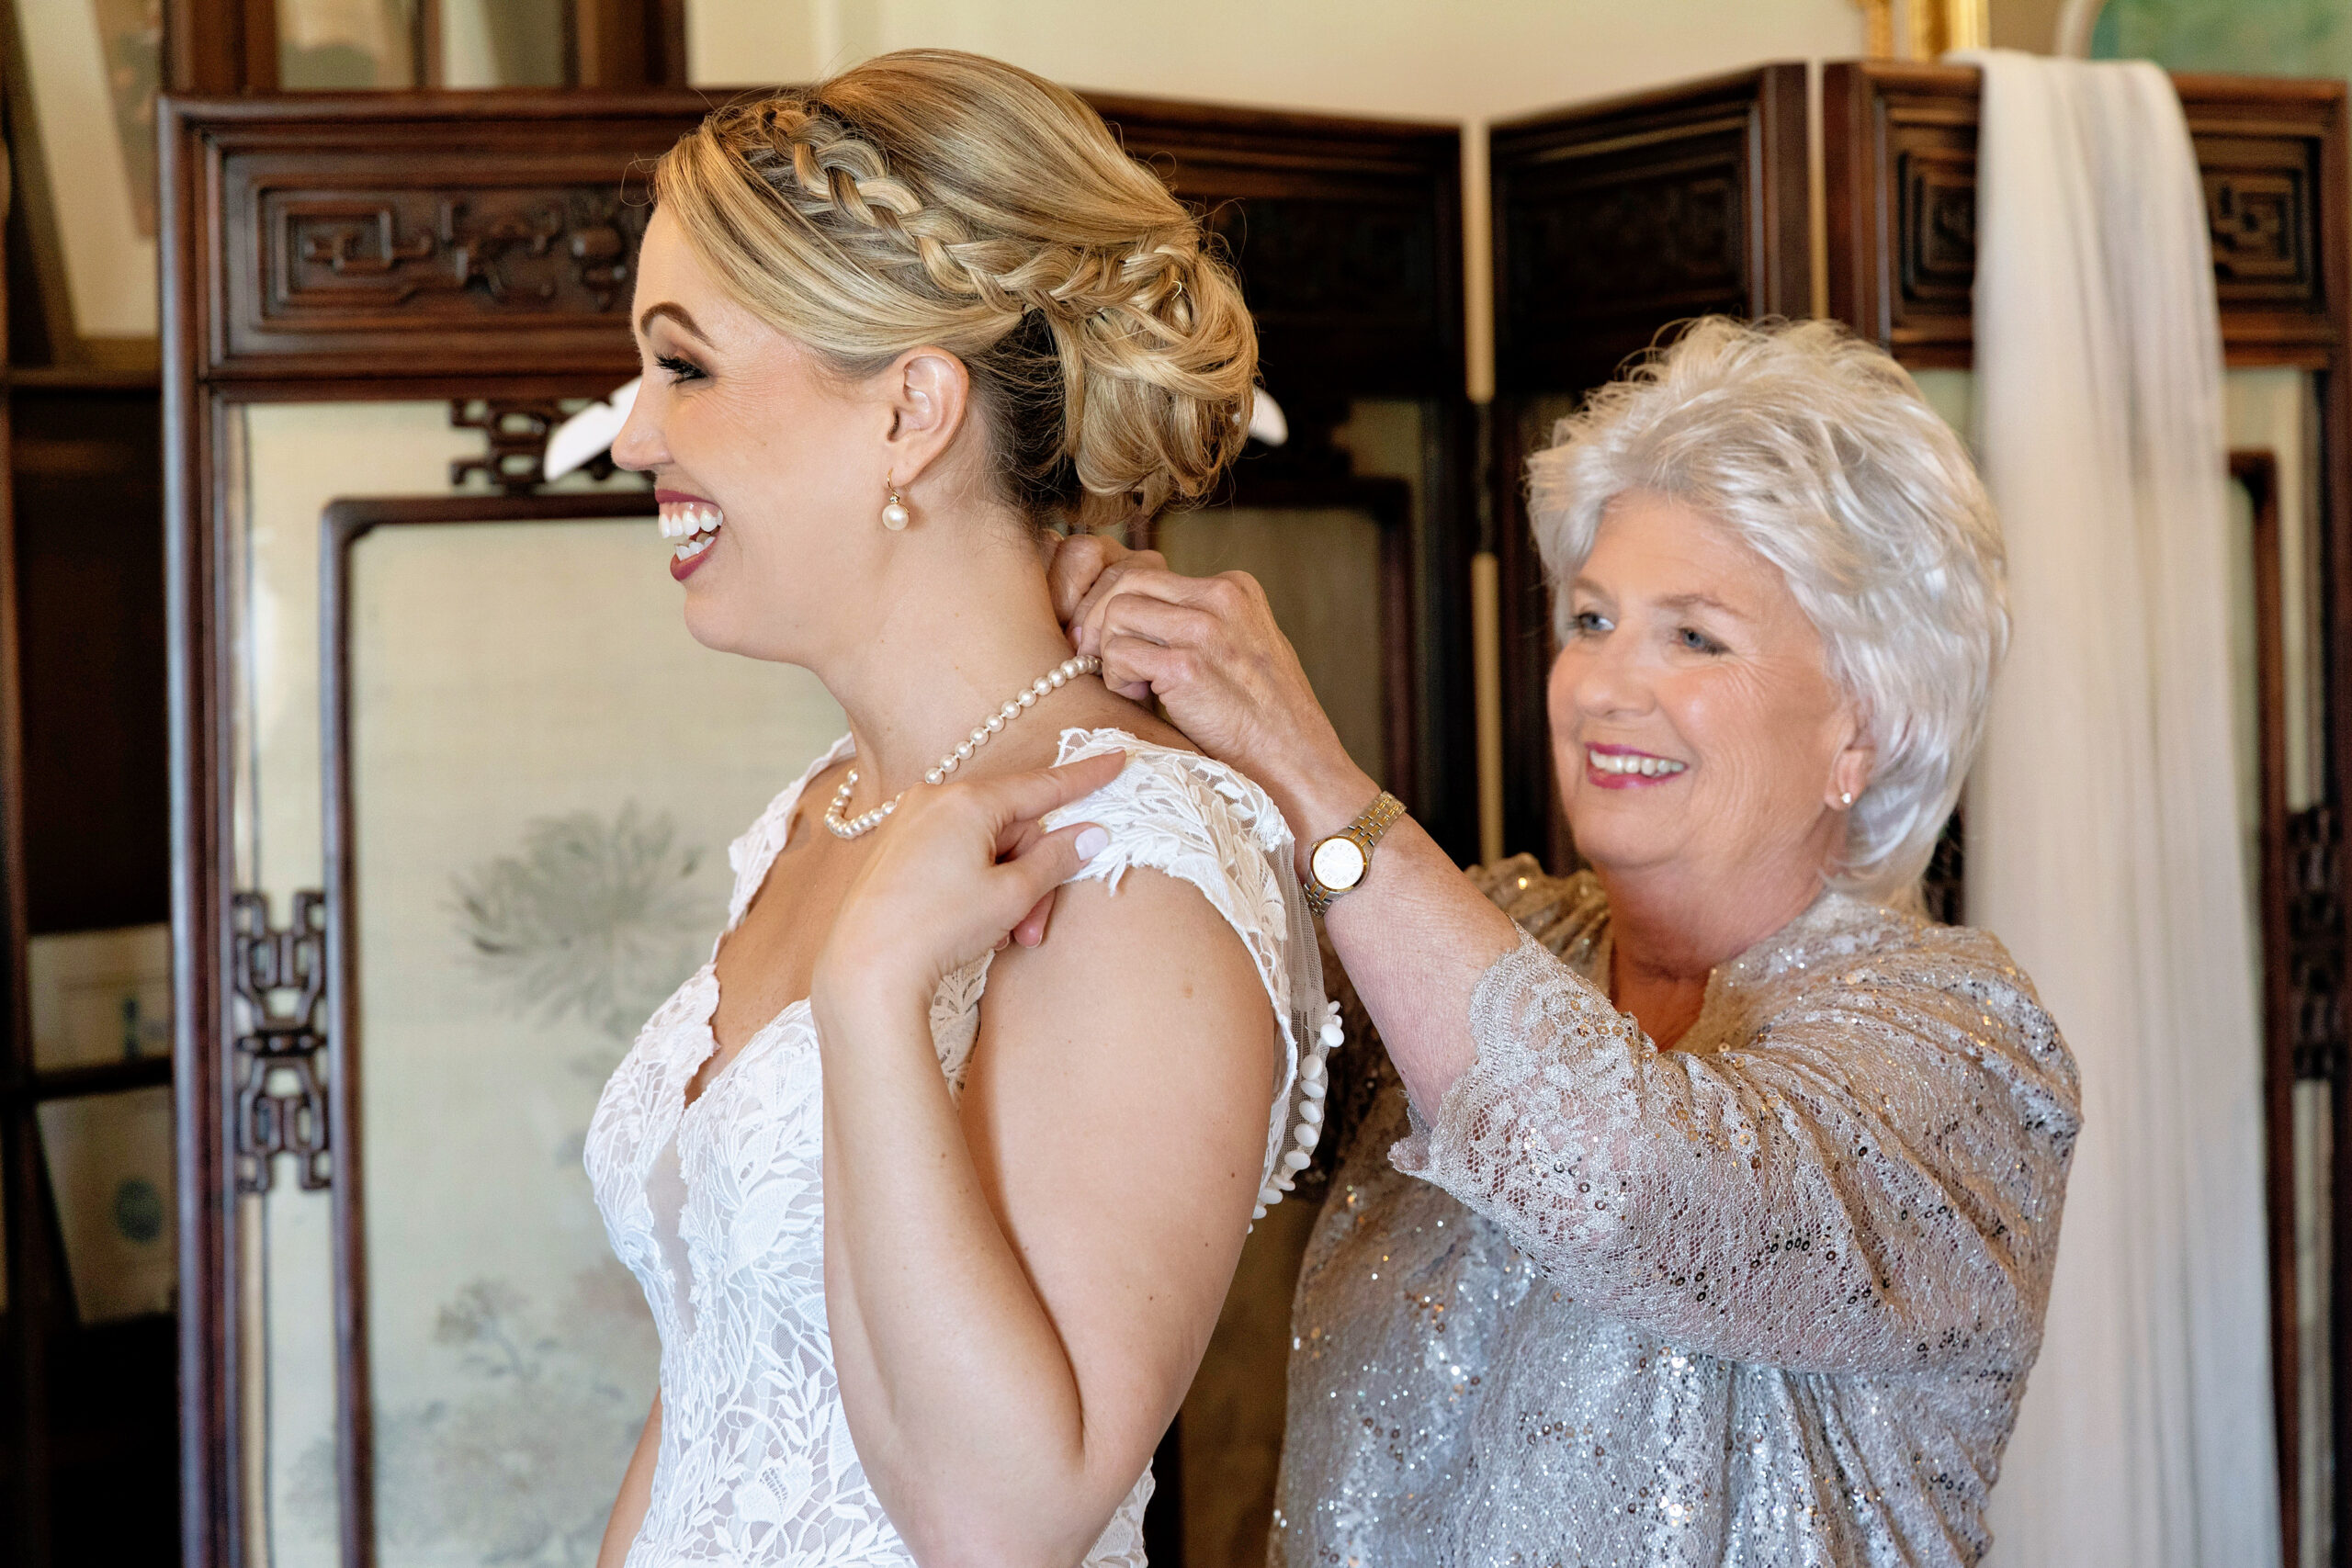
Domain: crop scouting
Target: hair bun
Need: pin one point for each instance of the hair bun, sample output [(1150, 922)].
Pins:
[(932, 196)]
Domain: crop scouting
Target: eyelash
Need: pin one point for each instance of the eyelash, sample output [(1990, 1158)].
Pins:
[(679, 369), (1696, 640), (1588, 623)]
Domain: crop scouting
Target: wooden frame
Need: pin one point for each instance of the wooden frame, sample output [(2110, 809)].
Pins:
[(1900, 181), (535, 144), (2256, 472), (343, 526), (421, 245)]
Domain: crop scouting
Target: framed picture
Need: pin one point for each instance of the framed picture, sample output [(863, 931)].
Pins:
[(100, 996), (109, 1160), (81, 80)]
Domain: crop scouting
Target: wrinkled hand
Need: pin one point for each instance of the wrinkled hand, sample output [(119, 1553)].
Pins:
[(1208, 649), (1085, 570), (956, 868)]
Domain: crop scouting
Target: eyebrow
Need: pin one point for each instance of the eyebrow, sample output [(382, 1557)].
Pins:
[(676, 313), (1701, 602), (1693, 600)]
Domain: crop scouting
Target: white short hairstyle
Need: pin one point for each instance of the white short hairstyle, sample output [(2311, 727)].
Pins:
[(1817, 451)]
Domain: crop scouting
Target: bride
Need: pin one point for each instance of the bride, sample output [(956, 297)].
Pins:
[(934, 1225)]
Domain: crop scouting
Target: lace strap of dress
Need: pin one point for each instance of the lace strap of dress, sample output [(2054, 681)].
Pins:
[(1187, 816), (750, 856)]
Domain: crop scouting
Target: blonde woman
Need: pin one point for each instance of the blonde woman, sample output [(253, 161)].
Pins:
[(936, 1226)]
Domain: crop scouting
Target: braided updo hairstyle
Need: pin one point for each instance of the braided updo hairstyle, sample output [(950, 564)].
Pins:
[(934, 198)]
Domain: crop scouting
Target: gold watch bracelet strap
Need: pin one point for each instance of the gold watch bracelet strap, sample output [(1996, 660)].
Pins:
[(1371, 823)]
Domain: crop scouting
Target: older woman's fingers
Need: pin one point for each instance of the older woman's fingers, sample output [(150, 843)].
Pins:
[(1138, 571), (1078, 561), (1139, 668), (1135, 577), (1176, 626)]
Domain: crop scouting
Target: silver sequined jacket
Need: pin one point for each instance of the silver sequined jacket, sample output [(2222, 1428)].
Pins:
[(1768, 1298)]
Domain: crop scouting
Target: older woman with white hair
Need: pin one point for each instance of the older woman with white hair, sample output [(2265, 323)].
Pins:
[(1704, 1207)]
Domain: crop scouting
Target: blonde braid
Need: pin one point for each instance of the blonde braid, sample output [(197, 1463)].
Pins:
[(1150, 347)]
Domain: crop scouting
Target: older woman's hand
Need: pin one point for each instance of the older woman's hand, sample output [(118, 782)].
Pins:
[(1209, 650)]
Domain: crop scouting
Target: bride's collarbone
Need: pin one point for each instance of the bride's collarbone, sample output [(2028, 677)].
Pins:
[(766, 964)]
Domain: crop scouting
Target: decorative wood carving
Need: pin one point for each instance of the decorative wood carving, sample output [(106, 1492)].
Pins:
[(415, 235), (1901, 174), (2315, 941), (1612, 220), (280, 976), (516, 432), (569, 248)]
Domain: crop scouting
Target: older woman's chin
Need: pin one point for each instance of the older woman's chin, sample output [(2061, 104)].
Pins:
[(1626, 828)]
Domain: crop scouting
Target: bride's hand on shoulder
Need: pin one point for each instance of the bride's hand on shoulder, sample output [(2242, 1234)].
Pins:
[(956, 868)]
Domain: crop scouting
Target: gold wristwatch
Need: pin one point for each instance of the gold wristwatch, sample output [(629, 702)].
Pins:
[(1338, 865)]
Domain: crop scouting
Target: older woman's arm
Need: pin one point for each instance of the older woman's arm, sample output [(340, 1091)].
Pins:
[(1871, 1182), (1871, 1185)]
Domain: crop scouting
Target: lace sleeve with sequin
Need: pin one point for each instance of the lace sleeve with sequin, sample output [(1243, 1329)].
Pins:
[(1866, 1179)]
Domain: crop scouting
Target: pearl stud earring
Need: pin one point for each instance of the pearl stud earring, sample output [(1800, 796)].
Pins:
[(1845, 799), (894, 511)]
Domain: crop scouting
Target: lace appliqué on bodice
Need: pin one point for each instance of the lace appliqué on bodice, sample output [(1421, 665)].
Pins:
[(717, 1208)]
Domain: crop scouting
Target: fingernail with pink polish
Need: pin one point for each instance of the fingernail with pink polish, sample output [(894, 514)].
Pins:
[(1091, 842)]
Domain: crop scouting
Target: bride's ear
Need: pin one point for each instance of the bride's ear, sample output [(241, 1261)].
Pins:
[(928, 393)]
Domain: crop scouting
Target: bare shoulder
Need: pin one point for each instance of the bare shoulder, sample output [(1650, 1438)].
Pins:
[(1148, 956), (1100, 709)]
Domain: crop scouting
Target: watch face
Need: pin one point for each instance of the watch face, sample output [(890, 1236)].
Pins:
[(1337, 863)]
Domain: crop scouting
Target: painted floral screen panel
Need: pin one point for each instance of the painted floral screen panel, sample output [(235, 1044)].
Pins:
[(547, 773)]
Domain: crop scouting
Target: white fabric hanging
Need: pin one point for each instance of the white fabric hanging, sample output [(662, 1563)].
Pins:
[(2103, 843)]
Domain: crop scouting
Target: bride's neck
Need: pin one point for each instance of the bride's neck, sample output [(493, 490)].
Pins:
[(953, 635)]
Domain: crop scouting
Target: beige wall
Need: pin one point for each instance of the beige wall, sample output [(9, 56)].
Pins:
[(1413, 58), (1422, 58)]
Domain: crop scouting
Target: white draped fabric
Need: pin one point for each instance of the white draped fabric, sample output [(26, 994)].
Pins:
[(2103, 843)]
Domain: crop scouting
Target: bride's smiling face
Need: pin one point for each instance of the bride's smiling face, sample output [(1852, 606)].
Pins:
[(770, 468)]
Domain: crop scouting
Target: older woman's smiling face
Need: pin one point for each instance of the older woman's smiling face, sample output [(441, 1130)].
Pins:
[(1696, 731)]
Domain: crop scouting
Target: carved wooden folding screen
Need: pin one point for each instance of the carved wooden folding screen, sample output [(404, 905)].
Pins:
[(391, 297)]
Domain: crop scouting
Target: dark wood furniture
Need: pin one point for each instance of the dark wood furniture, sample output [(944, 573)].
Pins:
[(476, 248)]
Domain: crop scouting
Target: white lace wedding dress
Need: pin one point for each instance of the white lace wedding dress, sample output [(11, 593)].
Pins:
[(719, 1207)]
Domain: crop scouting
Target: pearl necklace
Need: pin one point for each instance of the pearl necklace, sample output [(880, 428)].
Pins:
[(1054, 679)]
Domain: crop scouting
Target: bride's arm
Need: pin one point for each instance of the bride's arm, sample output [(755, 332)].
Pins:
[(1019, 1294), (636, 1494)]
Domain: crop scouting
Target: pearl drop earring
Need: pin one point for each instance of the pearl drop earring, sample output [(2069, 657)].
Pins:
[(894, 511)]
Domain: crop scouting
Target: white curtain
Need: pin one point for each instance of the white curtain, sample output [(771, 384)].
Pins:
[(2103, 842)]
